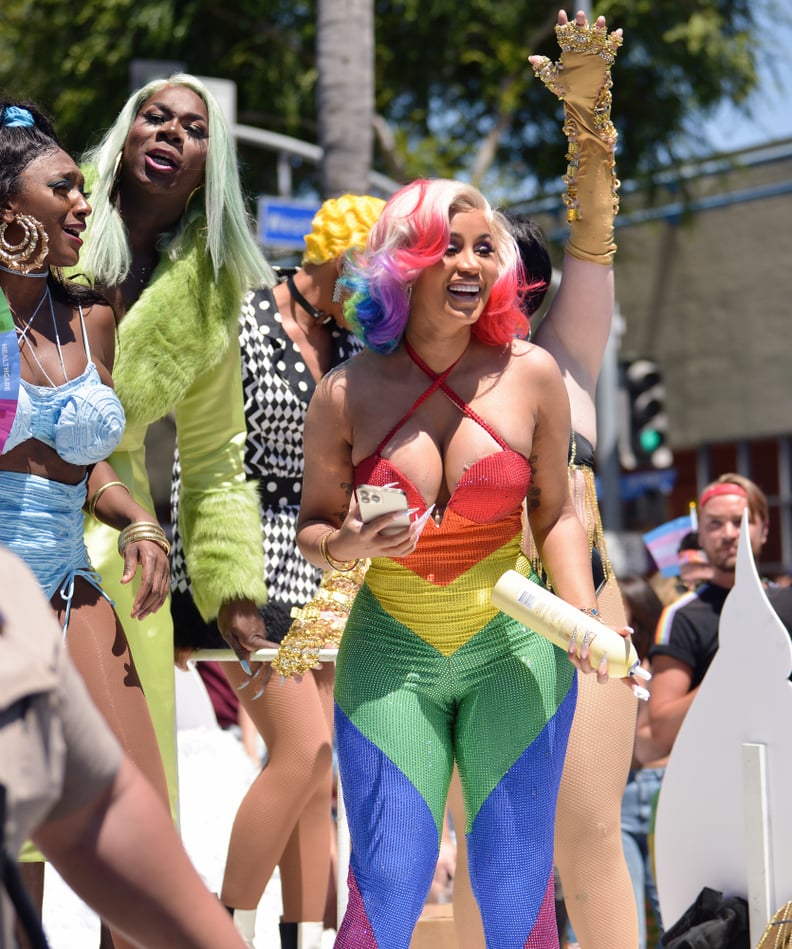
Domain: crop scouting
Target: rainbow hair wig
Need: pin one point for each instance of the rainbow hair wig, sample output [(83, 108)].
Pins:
[(340, 224), (411, 234), (218, 209)]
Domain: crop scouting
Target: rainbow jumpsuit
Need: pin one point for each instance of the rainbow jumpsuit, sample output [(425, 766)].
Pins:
[(429, 672)]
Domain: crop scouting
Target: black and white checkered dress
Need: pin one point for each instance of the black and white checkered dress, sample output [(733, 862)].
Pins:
[(277, 387)]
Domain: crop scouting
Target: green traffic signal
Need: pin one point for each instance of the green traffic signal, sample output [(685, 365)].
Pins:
[(650, 439), (643, 440)]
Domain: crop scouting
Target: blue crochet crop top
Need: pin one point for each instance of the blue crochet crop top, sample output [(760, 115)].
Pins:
[(82, 420)]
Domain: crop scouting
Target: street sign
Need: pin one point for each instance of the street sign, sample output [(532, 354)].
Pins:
[(283, 223), (634, 484)]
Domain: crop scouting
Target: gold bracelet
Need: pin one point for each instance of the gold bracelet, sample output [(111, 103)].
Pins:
[(343, 565), (143, 530), (100, 491)]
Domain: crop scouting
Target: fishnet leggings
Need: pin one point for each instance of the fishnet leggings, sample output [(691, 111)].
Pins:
[(595, 880), (594, 877)]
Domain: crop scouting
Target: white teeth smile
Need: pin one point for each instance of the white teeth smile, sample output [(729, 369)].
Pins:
[(465, 288)]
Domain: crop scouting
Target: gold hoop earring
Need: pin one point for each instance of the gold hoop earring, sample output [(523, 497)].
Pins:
[(19, 256), (190, 196)]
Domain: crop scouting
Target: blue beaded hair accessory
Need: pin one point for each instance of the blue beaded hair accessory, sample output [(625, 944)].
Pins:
[(14, 117)]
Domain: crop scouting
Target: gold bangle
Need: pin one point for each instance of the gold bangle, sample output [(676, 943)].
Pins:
[(143, 530), (343, 565), (154, 537), (100, 491)]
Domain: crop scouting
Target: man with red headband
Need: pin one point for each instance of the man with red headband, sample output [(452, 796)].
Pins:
[(687, 634)]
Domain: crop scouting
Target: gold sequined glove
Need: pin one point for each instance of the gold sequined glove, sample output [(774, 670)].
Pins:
[(320, 623), (582, 80)]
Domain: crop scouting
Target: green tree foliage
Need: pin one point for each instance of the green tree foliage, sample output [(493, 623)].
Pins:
[(74, 59), (454, 92), (451, 77)]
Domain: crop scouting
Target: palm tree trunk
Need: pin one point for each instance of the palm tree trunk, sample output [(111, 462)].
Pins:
[(345, 94)]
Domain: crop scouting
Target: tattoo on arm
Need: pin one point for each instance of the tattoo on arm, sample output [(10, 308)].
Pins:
[(534, 497), (347, 488)]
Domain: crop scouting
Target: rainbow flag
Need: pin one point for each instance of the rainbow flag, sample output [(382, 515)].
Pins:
[(9, 370)]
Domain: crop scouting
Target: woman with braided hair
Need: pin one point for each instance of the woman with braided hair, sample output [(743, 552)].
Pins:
[(56, 434)]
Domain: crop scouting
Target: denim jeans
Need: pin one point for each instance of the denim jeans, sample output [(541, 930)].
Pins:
[(637, 806)]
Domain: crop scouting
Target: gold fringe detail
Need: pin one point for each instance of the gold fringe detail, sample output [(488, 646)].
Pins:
[(583, 491), (320, 623)]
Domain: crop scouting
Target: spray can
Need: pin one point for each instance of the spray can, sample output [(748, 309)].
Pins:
[(556, 620)]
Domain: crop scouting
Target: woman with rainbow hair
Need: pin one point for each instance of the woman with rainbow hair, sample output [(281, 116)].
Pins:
[(450, 402)]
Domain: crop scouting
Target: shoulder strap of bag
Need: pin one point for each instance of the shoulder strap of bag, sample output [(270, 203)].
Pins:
[(11, 878)]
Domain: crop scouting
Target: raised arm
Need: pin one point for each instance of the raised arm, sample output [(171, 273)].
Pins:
[(576, 327)]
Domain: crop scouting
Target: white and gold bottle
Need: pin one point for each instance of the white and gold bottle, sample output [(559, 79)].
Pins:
[(556, 620)]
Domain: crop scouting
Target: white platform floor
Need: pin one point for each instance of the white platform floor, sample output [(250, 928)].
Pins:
[(214, 773)]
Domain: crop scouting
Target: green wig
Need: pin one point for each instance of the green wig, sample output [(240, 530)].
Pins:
[(219, 211)]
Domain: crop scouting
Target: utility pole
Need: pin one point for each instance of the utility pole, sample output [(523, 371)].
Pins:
[(607, 404)]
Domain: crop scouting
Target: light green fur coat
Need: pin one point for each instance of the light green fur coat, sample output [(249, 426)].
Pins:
[(178, 350)]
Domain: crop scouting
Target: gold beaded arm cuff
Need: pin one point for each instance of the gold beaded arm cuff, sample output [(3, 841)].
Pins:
[(320, 623), (143, 530)]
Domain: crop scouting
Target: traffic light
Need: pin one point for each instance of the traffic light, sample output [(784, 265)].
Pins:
[(644, 425)]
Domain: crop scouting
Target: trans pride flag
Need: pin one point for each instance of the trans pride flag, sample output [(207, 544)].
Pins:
[(9, 370), (663, 543)]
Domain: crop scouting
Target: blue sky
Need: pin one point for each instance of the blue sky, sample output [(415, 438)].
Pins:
[(769, 110)]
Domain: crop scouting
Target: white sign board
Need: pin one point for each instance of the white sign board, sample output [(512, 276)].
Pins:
[(724, 818)]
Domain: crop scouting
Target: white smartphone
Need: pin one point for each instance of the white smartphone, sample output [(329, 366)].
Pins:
[(375, 501)]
